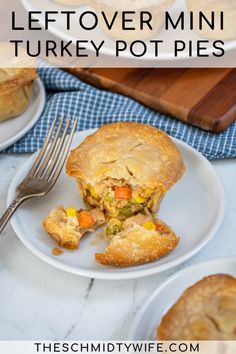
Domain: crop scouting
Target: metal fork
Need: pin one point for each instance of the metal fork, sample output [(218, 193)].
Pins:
[(46, 169)]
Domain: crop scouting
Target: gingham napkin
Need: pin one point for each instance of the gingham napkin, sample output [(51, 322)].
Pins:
[(69, 96)]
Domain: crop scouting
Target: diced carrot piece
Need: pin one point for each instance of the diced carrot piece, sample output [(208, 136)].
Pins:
[(56, 251), (86, 220), (124, 192)]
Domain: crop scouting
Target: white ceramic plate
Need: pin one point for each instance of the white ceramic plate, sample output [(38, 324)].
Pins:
[(13, 129), (185, 207), (168, 37), (148, 318)]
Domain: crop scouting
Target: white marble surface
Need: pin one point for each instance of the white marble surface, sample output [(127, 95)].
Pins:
[(38, 302)]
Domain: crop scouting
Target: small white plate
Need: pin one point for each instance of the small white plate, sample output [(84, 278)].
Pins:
[(199, 193), (165, 296), (13, 129)]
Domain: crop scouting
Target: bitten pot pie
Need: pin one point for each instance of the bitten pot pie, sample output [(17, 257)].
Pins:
[(140, 239), (125, 168), (206, 311), (207, 7), (67, 226)]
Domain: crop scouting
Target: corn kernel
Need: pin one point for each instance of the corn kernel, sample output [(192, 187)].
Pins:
[(139, 200), (93, 193), (71, 212), (149, 226), (148, 191)]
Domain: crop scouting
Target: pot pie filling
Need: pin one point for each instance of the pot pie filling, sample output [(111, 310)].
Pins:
[(119, 199)]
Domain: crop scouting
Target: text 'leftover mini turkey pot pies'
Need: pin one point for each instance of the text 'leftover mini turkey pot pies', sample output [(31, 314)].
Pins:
[(130, 19), (125, 168), (15, 82)]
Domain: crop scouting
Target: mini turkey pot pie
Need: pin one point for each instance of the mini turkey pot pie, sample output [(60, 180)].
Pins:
[(67, 226), (125, 168), (15, 82), (140, 239), (15, 91), (205, 311)]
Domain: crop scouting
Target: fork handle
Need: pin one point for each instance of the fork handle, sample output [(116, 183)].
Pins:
[(9, 212)]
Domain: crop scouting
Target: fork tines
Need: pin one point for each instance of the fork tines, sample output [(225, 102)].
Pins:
[(53, 153)]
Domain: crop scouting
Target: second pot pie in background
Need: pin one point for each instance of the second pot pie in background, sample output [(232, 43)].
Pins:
[(15, 83), (205, 311), (125, 168)]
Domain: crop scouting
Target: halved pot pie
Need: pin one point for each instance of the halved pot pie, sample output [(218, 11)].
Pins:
[(125, 168), (140, 239), (67, 226), (205, 311), (15, 82)]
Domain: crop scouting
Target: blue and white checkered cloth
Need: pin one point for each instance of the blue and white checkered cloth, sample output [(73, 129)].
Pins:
[(69, 96)]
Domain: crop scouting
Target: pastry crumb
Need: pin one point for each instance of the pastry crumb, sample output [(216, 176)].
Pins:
[(101, 236), (57, 251), (94, 243)]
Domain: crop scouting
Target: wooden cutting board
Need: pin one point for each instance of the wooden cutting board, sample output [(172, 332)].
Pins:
[(205, 98)]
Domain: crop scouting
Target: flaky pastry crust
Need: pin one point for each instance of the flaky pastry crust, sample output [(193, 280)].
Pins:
[(135, 245), (15, 90), (66, 231), (137, 153), (15, 82), (205, 311)]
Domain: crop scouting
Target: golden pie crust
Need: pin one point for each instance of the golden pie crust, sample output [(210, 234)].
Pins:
[(137, 154), (15, 91), (136, 245), (205, 311), (15, 82)]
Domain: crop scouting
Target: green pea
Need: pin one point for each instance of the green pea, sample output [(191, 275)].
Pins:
[(126, 211), (113, 230), (108, 198)]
